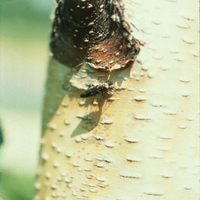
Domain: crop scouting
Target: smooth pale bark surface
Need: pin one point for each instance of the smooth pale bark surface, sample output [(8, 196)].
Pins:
[(143, 143)]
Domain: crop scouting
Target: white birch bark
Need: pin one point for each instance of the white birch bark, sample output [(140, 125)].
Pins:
[(143, 143)]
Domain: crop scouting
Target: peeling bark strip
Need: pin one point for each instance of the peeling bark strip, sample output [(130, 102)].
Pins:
[(93, 31)]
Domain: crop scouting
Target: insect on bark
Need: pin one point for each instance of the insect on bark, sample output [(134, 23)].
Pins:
[(105, 88)]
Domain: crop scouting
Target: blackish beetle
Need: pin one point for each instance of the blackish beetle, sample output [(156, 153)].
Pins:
[(102, 88)]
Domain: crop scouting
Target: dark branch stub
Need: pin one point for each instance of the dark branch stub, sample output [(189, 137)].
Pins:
[(94, 32)]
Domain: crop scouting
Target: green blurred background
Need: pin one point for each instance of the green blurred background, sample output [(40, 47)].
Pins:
[(25, 28)]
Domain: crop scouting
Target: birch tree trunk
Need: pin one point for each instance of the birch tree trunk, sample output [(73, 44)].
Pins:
[(142, 143)]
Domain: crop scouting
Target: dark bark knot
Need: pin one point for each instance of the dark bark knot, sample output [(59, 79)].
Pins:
[(93, 31)]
